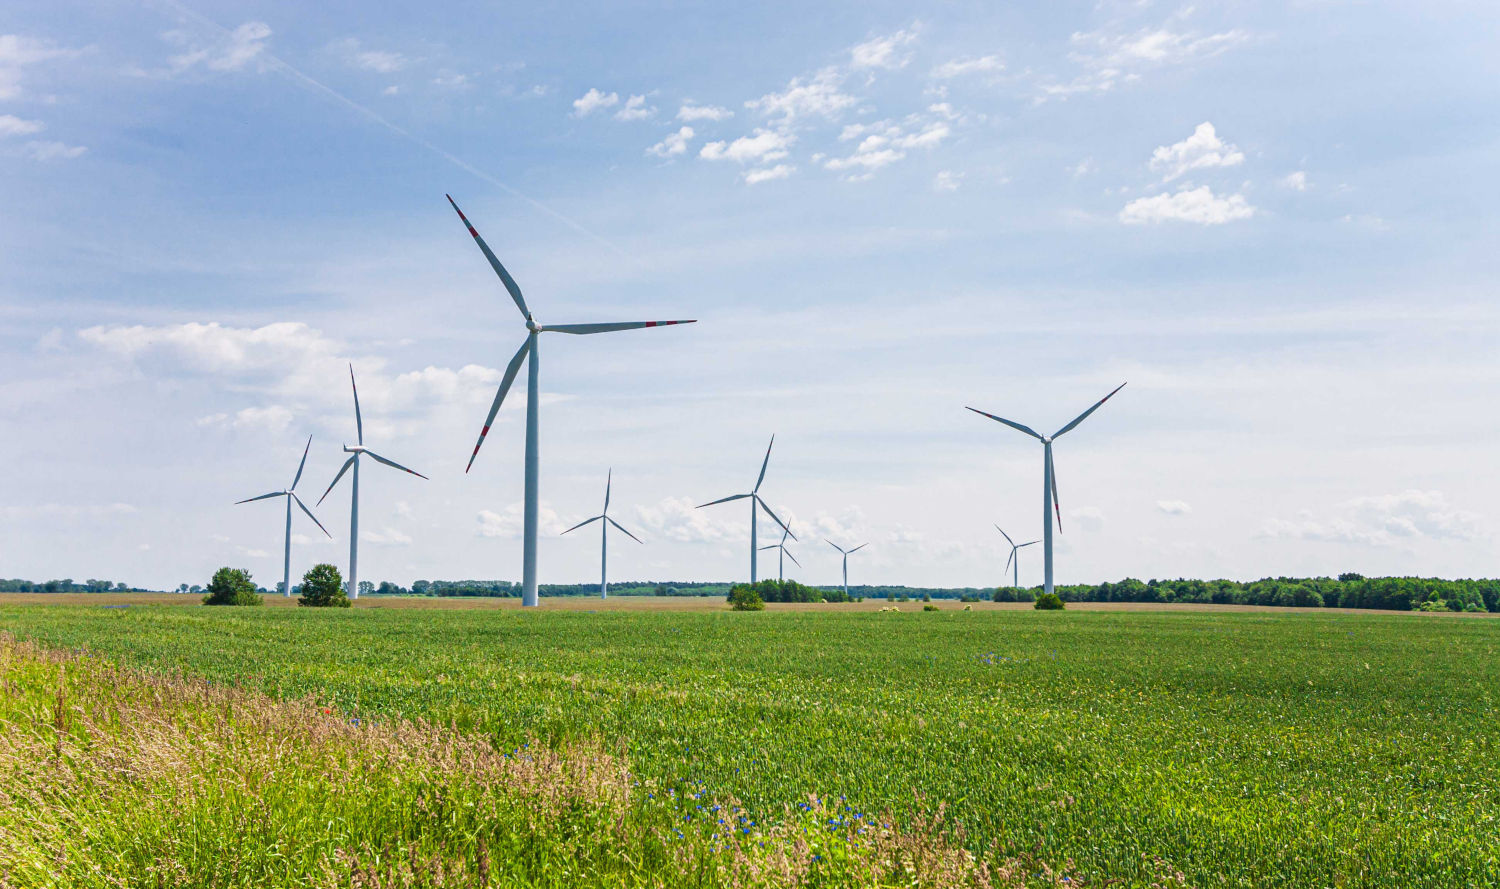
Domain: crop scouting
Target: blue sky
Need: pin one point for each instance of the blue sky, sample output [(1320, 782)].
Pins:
[(1274, 219)]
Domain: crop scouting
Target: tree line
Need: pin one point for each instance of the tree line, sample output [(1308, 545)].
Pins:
[(1345, 591), (66, 585)]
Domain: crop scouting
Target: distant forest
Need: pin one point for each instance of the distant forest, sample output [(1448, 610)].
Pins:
[(1344, 591)]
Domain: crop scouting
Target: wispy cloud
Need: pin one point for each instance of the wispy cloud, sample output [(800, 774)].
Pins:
[(354, 54), (1198, 205), (690, 112), (1384, 520), (967, 66), (635, 109), (1202, 150), (883, 52), (594, 100), (233, 51), (674, 144), (820, 95), (53, 151), (10, 125), (760, 147), (18, 52)]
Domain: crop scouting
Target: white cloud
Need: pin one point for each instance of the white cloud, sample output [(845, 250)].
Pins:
[(1089, 518), (10, 125), (882, 52), (385, 537), (762, 147), (18, 52), (273, 418), (232, 52), (635, 109), (818, 96), (52, 151), (962, 67), (1111, 58), (353, 54), (766, 174), (946, 180), (675, 144), (1203, 149), (690, 112), (592, 101), (509, 524), (885, 144), (1383, 521), (1174, 507), (1086, 167), (677, 519), (1198, 205), (1295, 181)]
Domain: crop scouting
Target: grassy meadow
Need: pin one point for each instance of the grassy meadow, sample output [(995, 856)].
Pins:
[(405, 746)]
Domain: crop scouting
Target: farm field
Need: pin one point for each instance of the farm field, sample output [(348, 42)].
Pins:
[(1206, 747)]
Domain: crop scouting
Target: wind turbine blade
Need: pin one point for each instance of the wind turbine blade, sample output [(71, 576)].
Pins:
[(505, 278), (858, 548), (582, 523), (623, 531), (774, 518), (1081, 417), (832, 544), (792, 557), (608, 480), (379, 459), (359, 423), (1005, 535), (261, 497), (763, 464), (725, 500), (1026, 429), (610, 327), (1056, 504), (510, 377), (1028, 543), (301, 465), (311, 516), (772, 546), (343, 469), (1009, 558)]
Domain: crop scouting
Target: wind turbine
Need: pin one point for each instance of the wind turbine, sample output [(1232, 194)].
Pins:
[(604, 537), (286, 563), (754, 496), (533, 456), (783, 555), (1015, 556), (353, 461), (1049, 476), (847, 553)]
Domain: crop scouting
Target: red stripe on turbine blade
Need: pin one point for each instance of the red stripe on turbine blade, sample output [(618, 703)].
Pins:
[(653, 323)]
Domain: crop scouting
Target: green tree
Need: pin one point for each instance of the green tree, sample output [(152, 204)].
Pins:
[(323, 587), (1049, 602), (231, 586), (743, 597)]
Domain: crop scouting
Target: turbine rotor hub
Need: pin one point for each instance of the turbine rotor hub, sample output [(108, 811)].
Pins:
[(532, 326)]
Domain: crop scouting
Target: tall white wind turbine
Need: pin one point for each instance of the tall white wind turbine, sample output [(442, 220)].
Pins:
[(353, 462), (533, 456), (605, 521), (1015, 556), (1049, 475), (847, 553), (755, 500), (286, 563), (784, 553)]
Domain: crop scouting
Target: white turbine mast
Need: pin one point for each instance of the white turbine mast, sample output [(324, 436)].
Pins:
[(847, 553), (784, 553), (605, 521), (1015, 556), (533, 456), (1049, 475), (755, 500), (353, 462), (290, 495)]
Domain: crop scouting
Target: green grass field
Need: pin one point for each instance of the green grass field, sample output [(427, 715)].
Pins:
[(1230, 748)]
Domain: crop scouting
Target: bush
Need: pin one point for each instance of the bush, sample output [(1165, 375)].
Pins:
[(929, 608), (323, 587), (743, 597), (231, 586), (1049, 602)]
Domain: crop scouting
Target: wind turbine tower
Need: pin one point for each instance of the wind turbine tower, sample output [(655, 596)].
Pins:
[(353, 463), (286, 561), (755, 501), (533, 400), (847, 553), (1049, 475), (1015, 556), (606, 521), (784, 553)]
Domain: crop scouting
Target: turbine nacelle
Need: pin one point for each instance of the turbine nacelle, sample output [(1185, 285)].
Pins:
[(357, 449)]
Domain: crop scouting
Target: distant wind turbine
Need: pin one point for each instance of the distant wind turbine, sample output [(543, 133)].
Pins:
[(286, 563), (604, 537), (755, 500), (533, 447), (784, 554), (1049, 476), (847, 553), (1015, 556), (353, 461)]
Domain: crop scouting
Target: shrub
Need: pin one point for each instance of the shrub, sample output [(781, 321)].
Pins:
[(743, 597), (929, 608), (323, 587), (1049, 602), (231, 586)]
